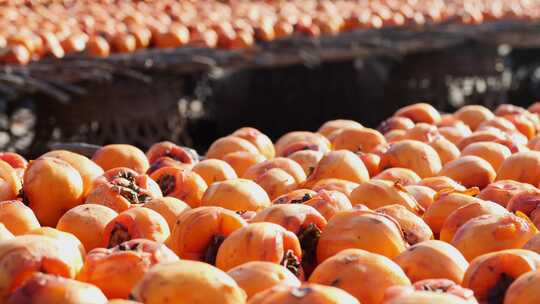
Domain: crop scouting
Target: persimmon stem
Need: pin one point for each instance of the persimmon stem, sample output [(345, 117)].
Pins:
[(309, 238)]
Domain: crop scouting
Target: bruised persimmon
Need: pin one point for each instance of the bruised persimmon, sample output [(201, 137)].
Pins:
[(236, 194), (258, 139), (332, 125), (305, 294), (168, 207), (184, 185), (399, 175), (120, 155), (470, 171), (340, 164), (420, 112), (230, 144), (116, 271), (240, 161), (379, 193), (135, 223), (17, 218), (473, 115), (169, 149), (493, 153), (414, 155), (521, 167), (359, 140), (414, 229)]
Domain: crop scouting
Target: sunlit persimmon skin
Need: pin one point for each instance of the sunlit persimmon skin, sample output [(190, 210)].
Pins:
[(414, 155), (51, 187), (184, 185), (25, 255), (166, 161), (258, 139), (395, 136), (463, 214), (524, 290), (341, 185), (64, 237), (330, 126), (371, 161), (420, 112), (88, 170), (230, 144), (359, 140), (521, 167), (122, 301), (261, 242), (345, 269), (293, 217), (120, 155), (198, 233), (489, 275), (168, 207), (240, 161), (5, 234), (509, 109), (301, 136), (422, 132), (432, 259), (523, 124), (16, 161), (305, 294), (328, 202), (286, 164), (17, 217), (455, 133), (395, 123), (470, 171), (236, 194), (307, 159), (490, 233), (434, 286), (534, 143), (473, 115), (414, 229), (533, 244), (426, 297), (439, 183), (115, 271), (379, 234), (492, 135), (500, 123), (379, 193), (10, 182), (169, 149), (48, 289), (135, 223), (339, 164), (446, 150), (298, 196), (527, 202), (254, 277), (201, 283), (214, 170), (491, 152), (399, 175), (423, 195), (276, 182)]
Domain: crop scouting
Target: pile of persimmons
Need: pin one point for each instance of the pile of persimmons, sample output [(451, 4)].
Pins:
[(32, 29), (428, 208)]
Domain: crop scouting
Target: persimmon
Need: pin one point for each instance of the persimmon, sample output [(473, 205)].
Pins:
[(473, 115), (288, 165), (25, 255), (307, 159), (10, 181), (5, 234), (492, 134), (184, 185), (422, 132), (298, 196), (98, 46), (509, 109), (429, 289), (533, 244), (362, 229), (258, 139), (48, 289), (493, 153), (521, 167), (240, 161), (524, 290), (423, 195), (371, 161), (88, 170), (230, 144), (214, 170), (120, 155), (455, 133), (51, 187), (341, 185), (328, 203), (64, 237), (17, 54), (527, 202), (490, 275), (166, 161), (197, 234), (202, 283), (399, 175), (261, 242), (414, 155), (169, 149), (116, 271), (362, 140), (305, 294), (236, 194), (18, 218), (172, 38), (490, 233), (135, 223), (470, 171), (534, 108), (395, 136), (16, 161), (254, 277), (346, 268), (446, 150), (332, 125), (395, 123), (500, 123), (426, 297), (439, 183), (414, 229), (340, 164), (446, 202), (420, 112), (463, 214), (379, 193), (168, 207), (523, 123), (316, 139), (276, 182)]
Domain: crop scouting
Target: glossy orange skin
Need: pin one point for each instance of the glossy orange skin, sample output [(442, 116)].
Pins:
[(399, 175), (493, 135), (194, 230), (276, 182), (114, 156), (371, 161), (135, 223), (395, 136), (10, 181), (230, 144), (307, 159), (329, 203), (254, 277), (490, 233), (48, 289), (51, 187), (288, 165), (305, 294), (236, 194), (214, 170), (395, 123), (184, 185), (439, 183), (455, 133), (414, 155), (359, 140), (379, 193), (258, 139), (423, 195), (242, 160), (426, 297), (115, 271), (64, 237), (168, 207), (17, 217), (340, 164), (486, 270), (16, 161), (470, 171), (316, 139), (414, 229), (380, 234), (523, 124), (493, 153), (433, 286), (500, 123), (420, 112), (528, 202), (169, 149), (522, 167), (87, 222), (447, 150), (524, 290), (335, 184), (422, 132), (332, 125), (473, 115), (293, 217), (258, 242)]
